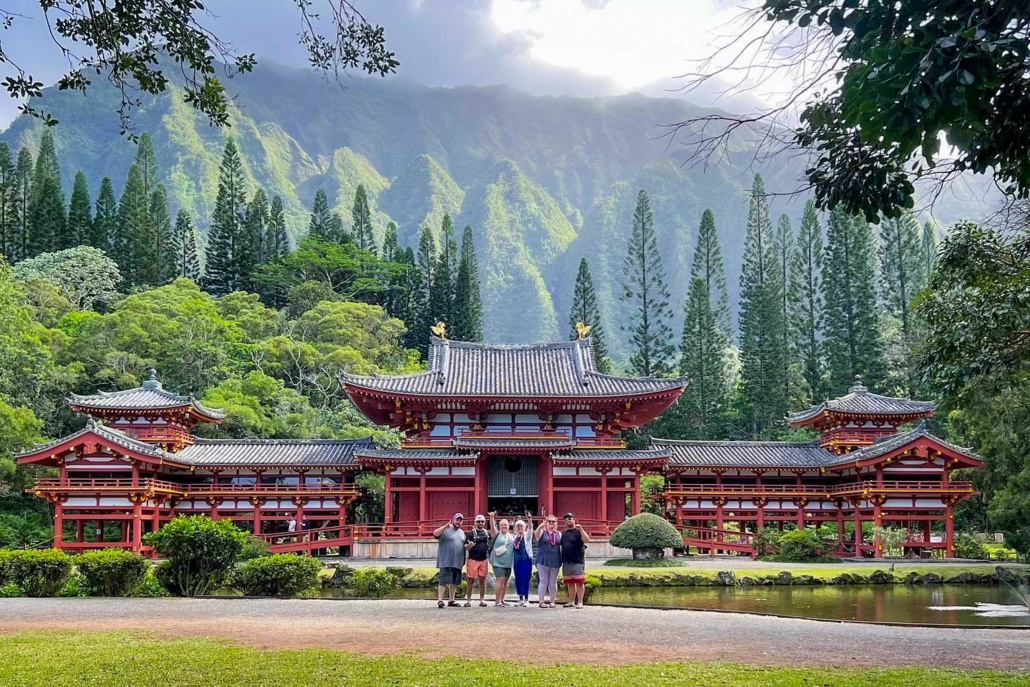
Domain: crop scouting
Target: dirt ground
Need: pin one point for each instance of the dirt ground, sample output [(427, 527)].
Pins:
[(600, 635)]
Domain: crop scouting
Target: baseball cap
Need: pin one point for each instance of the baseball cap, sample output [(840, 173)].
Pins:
[(480, 518), (458, 516), (569, 515)]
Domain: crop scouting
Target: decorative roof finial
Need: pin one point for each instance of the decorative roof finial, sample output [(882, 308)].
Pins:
[(151, 381), (440, 329), (858, 387), (583, 330)]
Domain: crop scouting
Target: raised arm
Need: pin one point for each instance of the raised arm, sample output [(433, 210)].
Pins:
[(493, 523), (438, 532), (583, 534)]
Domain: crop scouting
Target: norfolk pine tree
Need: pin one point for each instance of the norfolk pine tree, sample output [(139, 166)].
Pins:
[(80, 213), (8, 203), (441, 301), (390, 243), (277, 243), (708, 266), (105, 221), (147, 164), (806, 320), (701, 411), (422, 290), (928, 251), (361, 222), (852, 341), (255, 226), (647, 297), (183, 247), (901, 265), (468, 303), (161, 220), (321, 223), (226, 240), (23, 198), (792, 377), (47, 221), (585, 310), (762, 376), (134, 240)]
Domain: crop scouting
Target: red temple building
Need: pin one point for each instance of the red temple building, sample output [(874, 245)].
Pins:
[(495, 427)]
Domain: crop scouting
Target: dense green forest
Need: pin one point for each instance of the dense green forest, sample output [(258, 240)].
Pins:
[(262, 320)]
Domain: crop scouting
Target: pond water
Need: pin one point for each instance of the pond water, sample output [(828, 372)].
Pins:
[(937, 604)]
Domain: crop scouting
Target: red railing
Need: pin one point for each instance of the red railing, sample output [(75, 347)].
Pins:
[(925, 486), (105, 484), (486, 437), (124, 484)]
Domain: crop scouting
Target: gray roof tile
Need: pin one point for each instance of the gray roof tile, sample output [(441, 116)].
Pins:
[(458, 368), (150, 395), (773, 454), (860, 400), (888, 444), (416, 453), (113, 435), (273, 452)]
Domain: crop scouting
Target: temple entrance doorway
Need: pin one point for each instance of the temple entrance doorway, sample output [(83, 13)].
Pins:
[(512, 485)]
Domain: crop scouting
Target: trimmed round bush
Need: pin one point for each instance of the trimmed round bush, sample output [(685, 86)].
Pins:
[(201, 553), (256, 547), (111, 572), (39, 573), (5, 567), (969, 546), (799, 545), (373, 582), (281, 574), (647, 534)]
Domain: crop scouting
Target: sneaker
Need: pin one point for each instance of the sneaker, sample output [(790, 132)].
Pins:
[(522, 602), (468, 604), (482, 604)]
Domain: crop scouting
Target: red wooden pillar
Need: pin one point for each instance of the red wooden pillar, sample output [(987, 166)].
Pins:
[(949, 531), (760, 524), (58, 523), (801, 514), (137, 526), (100, 530), (634, 497), (423, 497), (213, 503), (388, 496), (858, 531), (604, 498), (257, 515), (679, 513), (840, 525), (80, 531), (546, 481), (926, 531), (878, 522)]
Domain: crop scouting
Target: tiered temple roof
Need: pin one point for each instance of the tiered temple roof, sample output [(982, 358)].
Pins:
[(149, 396), (859, 401), (461, 369)]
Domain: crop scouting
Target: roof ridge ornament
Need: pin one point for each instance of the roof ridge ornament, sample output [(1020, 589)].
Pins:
[(858, 387), (582, 330), (151, 382), (440, 329)]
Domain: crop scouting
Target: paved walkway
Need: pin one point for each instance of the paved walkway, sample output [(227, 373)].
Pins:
[(735, 563), (594, 634)]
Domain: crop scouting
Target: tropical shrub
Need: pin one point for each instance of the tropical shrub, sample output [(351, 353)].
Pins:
[(73, 588), (255, 547), (111, 572), (281, 574), (373, 582), (39, 573), (969, 546), (765, 541), (201, 553), (799, 545), (5, 567), (150, 587), (647, 534)]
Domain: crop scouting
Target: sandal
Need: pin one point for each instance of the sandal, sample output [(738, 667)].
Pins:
[(439, 604), (468, 604), (482, 604), (453, 603)]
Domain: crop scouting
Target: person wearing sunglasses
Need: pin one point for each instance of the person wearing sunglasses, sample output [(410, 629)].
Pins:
[(547, 543), (450, 558)]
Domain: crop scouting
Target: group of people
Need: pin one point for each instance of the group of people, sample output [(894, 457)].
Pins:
[(511, 552)]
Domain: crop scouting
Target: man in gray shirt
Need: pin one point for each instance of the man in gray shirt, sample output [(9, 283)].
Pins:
[(450, 558)]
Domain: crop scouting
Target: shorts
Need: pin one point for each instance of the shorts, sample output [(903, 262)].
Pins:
[(500, 572), (448, 576), (476, 568), (574, 573)]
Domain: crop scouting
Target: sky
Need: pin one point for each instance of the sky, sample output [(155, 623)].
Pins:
[(544, 47)]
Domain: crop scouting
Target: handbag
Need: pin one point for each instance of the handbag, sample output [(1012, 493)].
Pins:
[(501, 549)]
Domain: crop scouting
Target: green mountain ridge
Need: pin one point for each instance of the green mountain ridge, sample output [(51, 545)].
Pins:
[(543, 181)]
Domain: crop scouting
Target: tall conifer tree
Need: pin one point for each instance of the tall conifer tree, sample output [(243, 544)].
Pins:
[(361, 222), (585, 310), (134, 240), (468, 303), (48, 223), (8, 204), (390, 243), (806, 321), (80, 213), (853, 338), (23, 199), (255, 226), (928, 251), (901, 265), (708, 266), (161, 220), (147, 164), (227, 241), (647, 296), (441, 301), (105, 221), (183, 248), (422, 316), (321, 223), (793, 382), (762, 376), (701, 411), (277, 243)]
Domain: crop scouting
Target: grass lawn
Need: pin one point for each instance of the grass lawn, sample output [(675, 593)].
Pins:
[(54, 659)]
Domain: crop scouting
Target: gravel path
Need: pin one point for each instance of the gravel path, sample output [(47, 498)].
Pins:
[(594, 634)]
